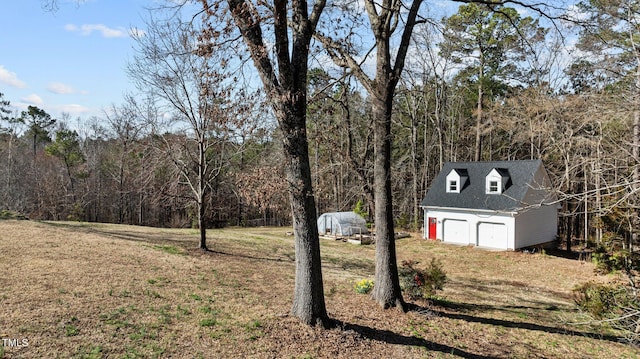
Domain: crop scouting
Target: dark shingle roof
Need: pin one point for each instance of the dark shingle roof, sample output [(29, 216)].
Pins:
[(473, 196)]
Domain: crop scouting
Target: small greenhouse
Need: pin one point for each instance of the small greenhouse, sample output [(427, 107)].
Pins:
[(342, 224)]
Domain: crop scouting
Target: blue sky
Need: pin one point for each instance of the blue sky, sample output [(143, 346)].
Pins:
[(72, 60)]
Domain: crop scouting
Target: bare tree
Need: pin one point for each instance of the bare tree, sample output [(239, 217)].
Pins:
[(610, 41), (127, 125), (341, 134), (169, 66), (263, 186), (10, 129)]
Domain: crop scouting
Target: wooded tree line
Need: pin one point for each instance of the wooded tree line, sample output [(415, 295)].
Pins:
[(482, 84), (116, 169)]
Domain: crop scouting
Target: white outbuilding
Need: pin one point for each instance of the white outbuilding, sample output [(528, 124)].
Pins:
[(499, 205), (342, 224)]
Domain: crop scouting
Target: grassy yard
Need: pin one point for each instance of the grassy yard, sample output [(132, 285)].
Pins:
[(78, 290)]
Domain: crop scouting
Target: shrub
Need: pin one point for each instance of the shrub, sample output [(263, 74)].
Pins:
[(609, 260), (617, 305), (76, 212), (363, 286), (604, 260), (599, 300), (7, 214), (417, 283), (359, 209), (403, 221)]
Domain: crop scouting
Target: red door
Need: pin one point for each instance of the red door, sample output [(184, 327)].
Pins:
[(432, 228)]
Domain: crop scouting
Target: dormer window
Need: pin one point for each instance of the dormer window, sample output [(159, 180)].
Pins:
[(453, 186), (497, 181), (493, 186), (457, 179)]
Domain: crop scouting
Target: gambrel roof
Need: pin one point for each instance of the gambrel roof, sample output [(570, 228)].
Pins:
[(526, 183)]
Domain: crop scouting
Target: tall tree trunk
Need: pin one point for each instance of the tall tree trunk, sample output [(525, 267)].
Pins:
[(383, 18), (35, 143), (202, 191), (585, 190), (286, 90), (8, 184), (202, 225), (438, 126), (359, 165), (414, 172), (387, 290), (478, 153), (308, 300), (121, 184), (141, 208), (636, 151), (317, 169), (569, 220)]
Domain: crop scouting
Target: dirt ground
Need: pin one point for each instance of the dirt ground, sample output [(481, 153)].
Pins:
[(78, 290)]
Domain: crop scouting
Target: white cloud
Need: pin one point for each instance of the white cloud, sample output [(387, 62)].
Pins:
[(73, 109), (105, 31), (60, 88), (32, 99), (10, 78)]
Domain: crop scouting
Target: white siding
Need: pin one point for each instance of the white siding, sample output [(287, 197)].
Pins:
[(534, 223), (536, 226), (537, 222), (472, 219)]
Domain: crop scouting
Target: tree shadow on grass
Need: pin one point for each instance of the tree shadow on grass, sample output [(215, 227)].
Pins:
[(188, 246), (474, 307), (390, 337), (562, 253), (246, 256), (510, 324), (152, 238)]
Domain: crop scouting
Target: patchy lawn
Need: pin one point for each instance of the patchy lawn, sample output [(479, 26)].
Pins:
[(78, 290)]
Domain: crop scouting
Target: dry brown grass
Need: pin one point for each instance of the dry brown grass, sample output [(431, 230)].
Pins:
[(93, 290)]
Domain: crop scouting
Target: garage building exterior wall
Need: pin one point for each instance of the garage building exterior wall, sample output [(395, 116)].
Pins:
[(474, 223), (537, 226)]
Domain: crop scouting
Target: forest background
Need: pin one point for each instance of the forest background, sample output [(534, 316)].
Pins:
[(480, 84)]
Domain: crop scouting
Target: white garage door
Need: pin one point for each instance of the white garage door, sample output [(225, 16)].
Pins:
[(455, 231), (492, 235)]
